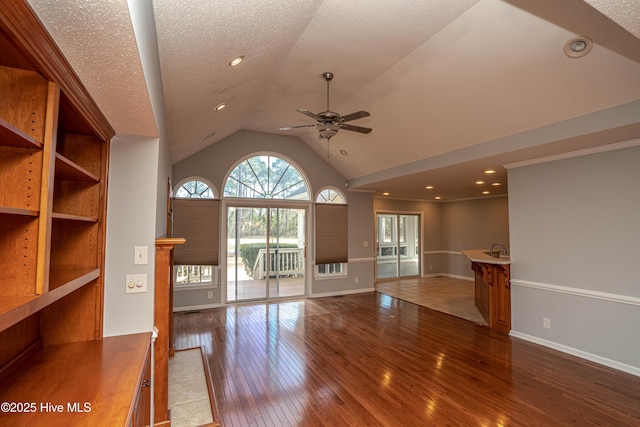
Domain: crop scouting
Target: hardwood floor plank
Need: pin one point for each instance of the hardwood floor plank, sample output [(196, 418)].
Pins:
[(373, 360)]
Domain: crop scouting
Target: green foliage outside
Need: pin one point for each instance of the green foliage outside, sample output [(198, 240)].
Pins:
[(249, 253)]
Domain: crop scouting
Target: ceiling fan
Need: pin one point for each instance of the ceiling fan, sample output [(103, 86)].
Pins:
[(330, 122)]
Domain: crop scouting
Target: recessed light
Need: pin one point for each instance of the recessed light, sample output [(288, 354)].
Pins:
[(489, 171), (220, 106), (496, 184), (437, 197), (479, 182), (429, 187), (344, 153), (577, 47), (236, 61), (486, 192), (385, 194)]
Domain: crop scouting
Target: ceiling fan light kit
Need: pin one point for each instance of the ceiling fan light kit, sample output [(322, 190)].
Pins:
[(330, 122)]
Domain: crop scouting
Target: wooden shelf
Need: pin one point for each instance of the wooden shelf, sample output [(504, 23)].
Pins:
[(68, 170), (62, 283), (75, 278), (16, 211), (11, 136), (68, 217), (104, 374)]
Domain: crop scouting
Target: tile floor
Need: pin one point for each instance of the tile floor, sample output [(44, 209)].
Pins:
[(188, 393), (445, 294)]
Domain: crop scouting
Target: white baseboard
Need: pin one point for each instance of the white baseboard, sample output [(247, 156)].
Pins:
[(453, 276), (196, 307), (633, 370), (338, 293)]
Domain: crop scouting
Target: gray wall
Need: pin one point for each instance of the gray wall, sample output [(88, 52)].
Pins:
[(131, 210), (575, 243), (449, 227), (472, 224), (216, 161)]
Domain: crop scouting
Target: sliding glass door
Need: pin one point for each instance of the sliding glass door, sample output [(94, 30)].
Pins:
[(397, 245), (265, 253)]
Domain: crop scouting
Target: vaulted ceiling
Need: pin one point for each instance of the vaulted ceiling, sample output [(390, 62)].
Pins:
[(453, 87)]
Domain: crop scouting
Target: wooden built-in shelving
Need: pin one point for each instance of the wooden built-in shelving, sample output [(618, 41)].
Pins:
[(54, 148), (68, 170), (11, 136)]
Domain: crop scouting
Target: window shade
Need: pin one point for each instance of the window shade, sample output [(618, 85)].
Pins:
[(197, 220), (331, 233)]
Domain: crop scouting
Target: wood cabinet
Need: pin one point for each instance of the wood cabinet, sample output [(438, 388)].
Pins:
[(493, 294), (141, 408), (54, 149), (92, 383)]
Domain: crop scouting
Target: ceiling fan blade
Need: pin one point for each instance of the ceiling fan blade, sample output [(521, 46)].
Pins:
[(354, 116), (295, 127), (355, 128), (310, 114)]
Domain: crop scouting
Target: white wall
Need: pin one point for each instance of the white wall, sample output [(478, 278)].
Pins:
[(131, 211), (575, 251)]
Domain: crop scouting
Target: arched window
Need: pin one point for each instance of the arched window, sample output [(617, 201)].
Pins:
[(195, 188), (194, 262), (266, 177), (331, 195), (326, 216)]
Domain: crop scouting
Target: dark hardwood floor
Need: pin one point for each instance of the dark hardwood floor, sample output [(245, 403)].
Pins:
[(372, 360)]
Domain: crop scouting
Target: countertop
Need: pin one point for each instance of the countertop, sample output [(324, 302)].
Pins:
[(479, 255)]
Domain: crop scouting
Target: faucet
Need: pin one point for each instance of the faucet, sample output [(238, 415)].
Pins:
[(503, 249)]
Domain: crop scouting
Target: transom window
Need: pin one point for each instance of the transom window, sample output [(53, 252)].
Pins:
[(330, 195), (266, 177), (195, 189)]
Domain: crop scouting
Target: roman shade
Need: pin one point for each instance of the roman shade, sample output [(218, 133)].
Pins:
[(197, 220), (331, 233)]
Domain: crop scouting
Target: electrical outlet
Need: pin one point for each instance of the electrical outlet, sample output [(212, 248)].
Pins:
[(136, 283), (357, 280), (546, 323), (210, 294)]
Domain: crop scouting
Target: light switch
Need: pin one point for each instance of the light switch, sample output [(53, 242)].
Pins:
[(140, 255), (136, 283)]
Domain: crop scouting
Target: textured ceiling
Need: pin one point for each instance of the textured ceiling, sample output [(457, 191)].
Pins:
[(97, 38), (626, 13), (452, 87)]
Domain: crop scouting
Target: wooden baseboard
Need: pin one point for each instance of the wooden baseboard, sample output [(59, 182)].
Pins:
[(212, 393)]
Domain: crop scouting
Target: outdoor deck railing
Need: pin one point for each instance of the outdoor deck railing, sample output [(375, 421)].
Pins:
[(282, 262)]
